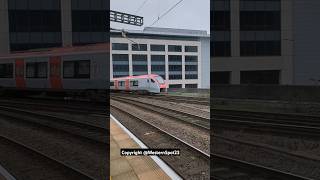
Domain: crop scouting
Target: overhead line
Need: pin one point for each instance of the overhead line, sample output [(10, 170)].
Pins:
[(166, 12), (140, 7)]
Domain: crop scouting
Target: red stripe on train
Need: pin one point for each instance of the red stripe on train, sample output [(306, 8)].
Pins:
[(127, 85), (19, 69), (55, 72)]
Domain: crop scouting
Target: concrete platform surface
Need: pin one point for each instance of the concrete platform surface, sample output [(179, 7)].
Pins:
[(5, 175), (130, 167)]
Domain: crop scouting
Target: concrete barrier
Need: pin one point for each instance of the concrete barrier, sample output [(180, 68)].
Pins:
[(267, 92), (189, 90)]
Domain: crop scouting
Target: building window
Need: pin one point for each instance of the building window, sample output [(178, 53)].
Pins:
[(31, 29), (221, 77), (158, 65), (174, 48), (260, 20), (220, 49), (260, 77), (6, 70), (139, 64), (260, 26), (191, 76), (156, 47), (89, 21), (221, 20), (120, 65), (37, 70), (175, 66), (260, 48), (76, 69), (191, 48), (191, 67), (191, 60), (120, 46), (191, 86), (139, 47), (175, 85)]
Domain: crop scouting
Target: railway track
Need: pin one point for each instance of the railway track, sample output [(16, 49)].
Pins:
[(265, 157), (73, 127), (287, 123), (32, 164), (191, 164), (62, 134), (202, 122), (59, 106), (181, 99), (226, 168)]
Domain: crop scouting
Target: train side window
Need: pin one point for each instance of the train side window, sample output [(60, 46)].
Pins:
[(121, 83), (6, 70), (37, 70), (152, 81), (134, 83), (68, 69), (111, 83), (76, 69)]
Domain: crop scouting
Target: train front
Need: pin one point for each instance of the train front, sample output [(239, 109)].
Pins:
[(163, 85)]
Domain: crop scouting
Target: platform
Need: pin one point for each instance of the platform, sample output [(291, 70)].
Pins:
[(133, 167), (5, 175)]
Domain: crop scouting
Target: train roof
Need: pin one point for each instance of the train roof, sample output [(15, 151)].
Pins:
[(69, 50), (135, 77)]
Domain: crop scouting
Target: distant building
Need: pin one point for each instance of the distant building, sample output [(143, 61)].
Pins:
[(182, 57), (32, 24), (265, 42)]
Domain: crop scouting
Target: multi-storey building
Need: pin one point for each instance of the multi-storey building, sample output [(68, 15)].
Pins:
[(31, 24), (265, 42), (180, 56)]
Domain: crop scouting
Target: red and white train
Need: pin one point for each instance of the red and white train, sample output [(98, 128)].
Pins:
[(151, 83), (76, 70)]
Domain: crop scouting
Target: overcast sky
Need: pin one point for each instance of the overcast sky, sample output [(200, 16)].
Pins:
[(189, 14)]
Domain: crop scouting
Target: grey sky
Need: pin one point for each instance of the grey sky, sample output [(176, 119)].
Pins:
[(189, 14)]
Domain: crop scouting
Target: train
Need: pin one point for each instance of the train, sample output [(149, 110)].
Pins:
[(142, 84), (75, 70)]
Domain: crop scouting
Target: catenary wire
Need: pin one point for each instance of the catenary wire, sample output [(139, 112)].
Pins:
[(166, 12)]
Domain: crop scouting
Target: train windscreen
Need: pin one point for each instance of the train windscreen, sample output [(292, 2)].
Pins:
[(159, 79)]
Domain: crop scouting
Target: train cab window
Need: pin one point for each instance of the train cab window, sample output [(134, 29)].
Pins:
[(134, 83), (37, 70), (6, 70), (76, 69)]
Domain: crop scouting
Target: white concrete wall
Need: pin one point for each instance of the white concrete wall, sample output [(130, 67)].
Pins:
[(66, 22), (4, 27), (201, 81), (306, 42)]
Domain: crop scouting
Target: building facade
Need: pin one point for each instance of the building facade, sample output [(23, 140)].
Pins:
[(181, 57), (32, 24), (264, 42)]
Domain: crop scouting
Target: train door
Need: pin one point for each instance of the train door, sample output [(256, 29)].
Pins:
[(147, 84), (116, 85), (19, 71), (55, 73), (127, 85)]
